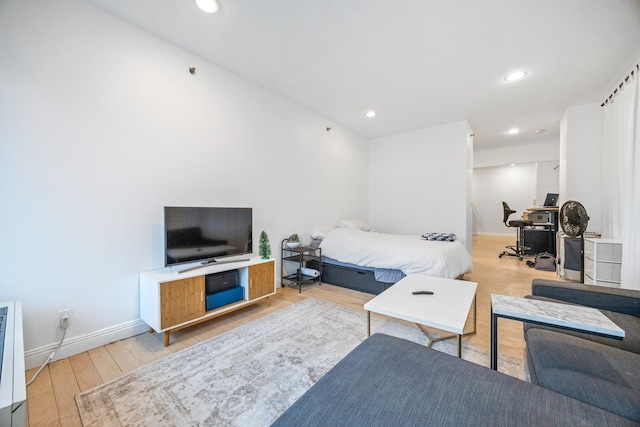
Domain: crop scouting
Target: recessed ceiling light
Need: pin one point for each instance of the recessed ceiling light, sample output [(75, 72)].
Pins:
[(371, 114), (209, 6), (515, 76), (539, 131), (513, 131)]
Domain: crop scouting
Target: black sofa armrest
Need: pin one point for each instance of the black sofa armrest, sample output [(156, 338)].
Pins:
[(626, 301)]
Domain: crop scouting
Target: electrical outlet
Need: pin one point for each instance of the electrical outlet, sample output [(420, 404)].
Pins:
[(64, 317)]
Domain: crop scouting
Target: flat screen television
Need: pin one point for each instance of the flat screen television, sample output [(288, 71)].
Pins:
[(193, 234)]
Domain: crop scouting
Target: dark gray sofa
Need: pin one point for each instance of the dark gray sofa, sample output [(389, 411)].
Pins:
[(601, 371), (388, 381)]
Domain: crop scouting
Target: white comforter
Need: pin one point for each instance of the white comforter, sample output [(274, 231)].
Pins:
[(408, 253)]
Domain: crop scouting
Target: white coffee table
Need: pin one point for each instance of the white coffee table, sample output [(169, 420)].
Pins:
[(447, 309)]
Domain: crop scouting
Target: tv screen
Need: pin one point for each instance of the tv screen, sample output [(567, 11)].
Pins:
[(204, 233)]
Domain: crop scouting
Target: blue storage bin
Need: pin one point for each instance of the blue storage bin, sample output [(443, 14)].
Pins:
[(224, 297)]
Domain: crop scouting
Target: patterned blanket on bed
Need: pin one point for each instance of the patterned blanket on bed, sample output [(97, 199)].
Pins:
[(442, 237)]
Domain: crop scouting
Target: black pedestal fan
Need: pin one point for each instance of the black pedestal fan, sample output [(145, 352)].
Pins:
[(573, 220)]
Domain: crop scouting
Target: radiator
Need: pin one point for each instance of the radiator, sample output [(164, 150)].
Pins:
[(13, 390)]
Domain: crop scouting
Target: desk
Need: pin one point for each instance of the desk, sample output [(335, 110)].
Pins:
[(542, 238), (544, 209)]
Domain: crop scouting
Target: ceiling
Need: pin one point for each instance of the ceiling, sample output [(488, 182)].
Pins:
[(417, 63)]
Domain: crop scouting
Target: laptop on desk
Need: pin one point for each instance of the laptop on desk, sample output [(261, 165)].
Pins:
[(551, 200), (550, 205)]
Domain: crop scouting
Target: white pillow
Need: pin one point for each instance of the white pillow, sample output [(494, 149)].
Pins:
[(353, 223), (318, 235)]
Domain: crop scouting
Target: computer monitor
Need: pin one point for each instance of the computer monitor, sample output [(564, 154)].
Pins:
[(551, 200)]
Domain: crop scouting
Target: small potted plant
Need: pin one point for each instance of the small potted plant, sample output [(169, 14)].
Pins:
[(293, 241), (265, 246)]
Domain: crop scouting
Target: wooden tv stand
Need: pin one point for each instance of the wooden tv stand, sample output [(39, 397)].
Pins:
[(170, 300)]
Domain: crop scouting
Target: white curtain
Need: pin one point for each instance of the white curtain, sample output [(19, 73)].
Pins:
[(621, 177)]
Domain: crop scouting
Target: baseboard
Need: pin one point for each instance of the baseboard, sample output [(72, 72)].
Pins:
[(75, 345)]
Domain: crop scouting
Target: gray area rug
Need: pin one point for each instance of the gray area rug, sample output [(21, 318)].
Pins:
[(250, 375)]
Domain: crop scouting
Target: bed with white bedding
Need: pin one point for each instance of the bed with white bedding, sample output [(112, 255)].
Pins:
[(374, 261)]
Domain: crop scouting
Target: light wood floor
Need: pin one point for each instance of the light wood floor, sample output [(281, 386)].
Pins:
[(51, 396)]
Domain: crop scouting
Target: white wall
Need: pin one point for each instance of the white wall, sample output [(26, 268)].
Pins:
[(581, 130), (545, 151), (419, 181), (469, 201), (534, 174), (521, 186), (101, 125), (547, 180)]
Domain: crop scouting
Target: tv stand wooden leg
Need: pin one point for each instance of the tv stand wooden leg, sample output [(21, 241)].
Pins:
[(167, 337), (268, 302)]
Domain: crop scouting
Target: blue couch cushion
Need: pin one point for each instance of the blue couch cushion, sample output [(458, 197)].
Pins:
[(603, 376), (388, 381)]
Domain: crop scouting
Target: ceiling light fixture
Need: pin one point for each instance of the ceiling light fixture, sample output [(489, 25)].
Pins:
[(513, 131), (539, 131), (209, 6), (515, 76), (371, 114)]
